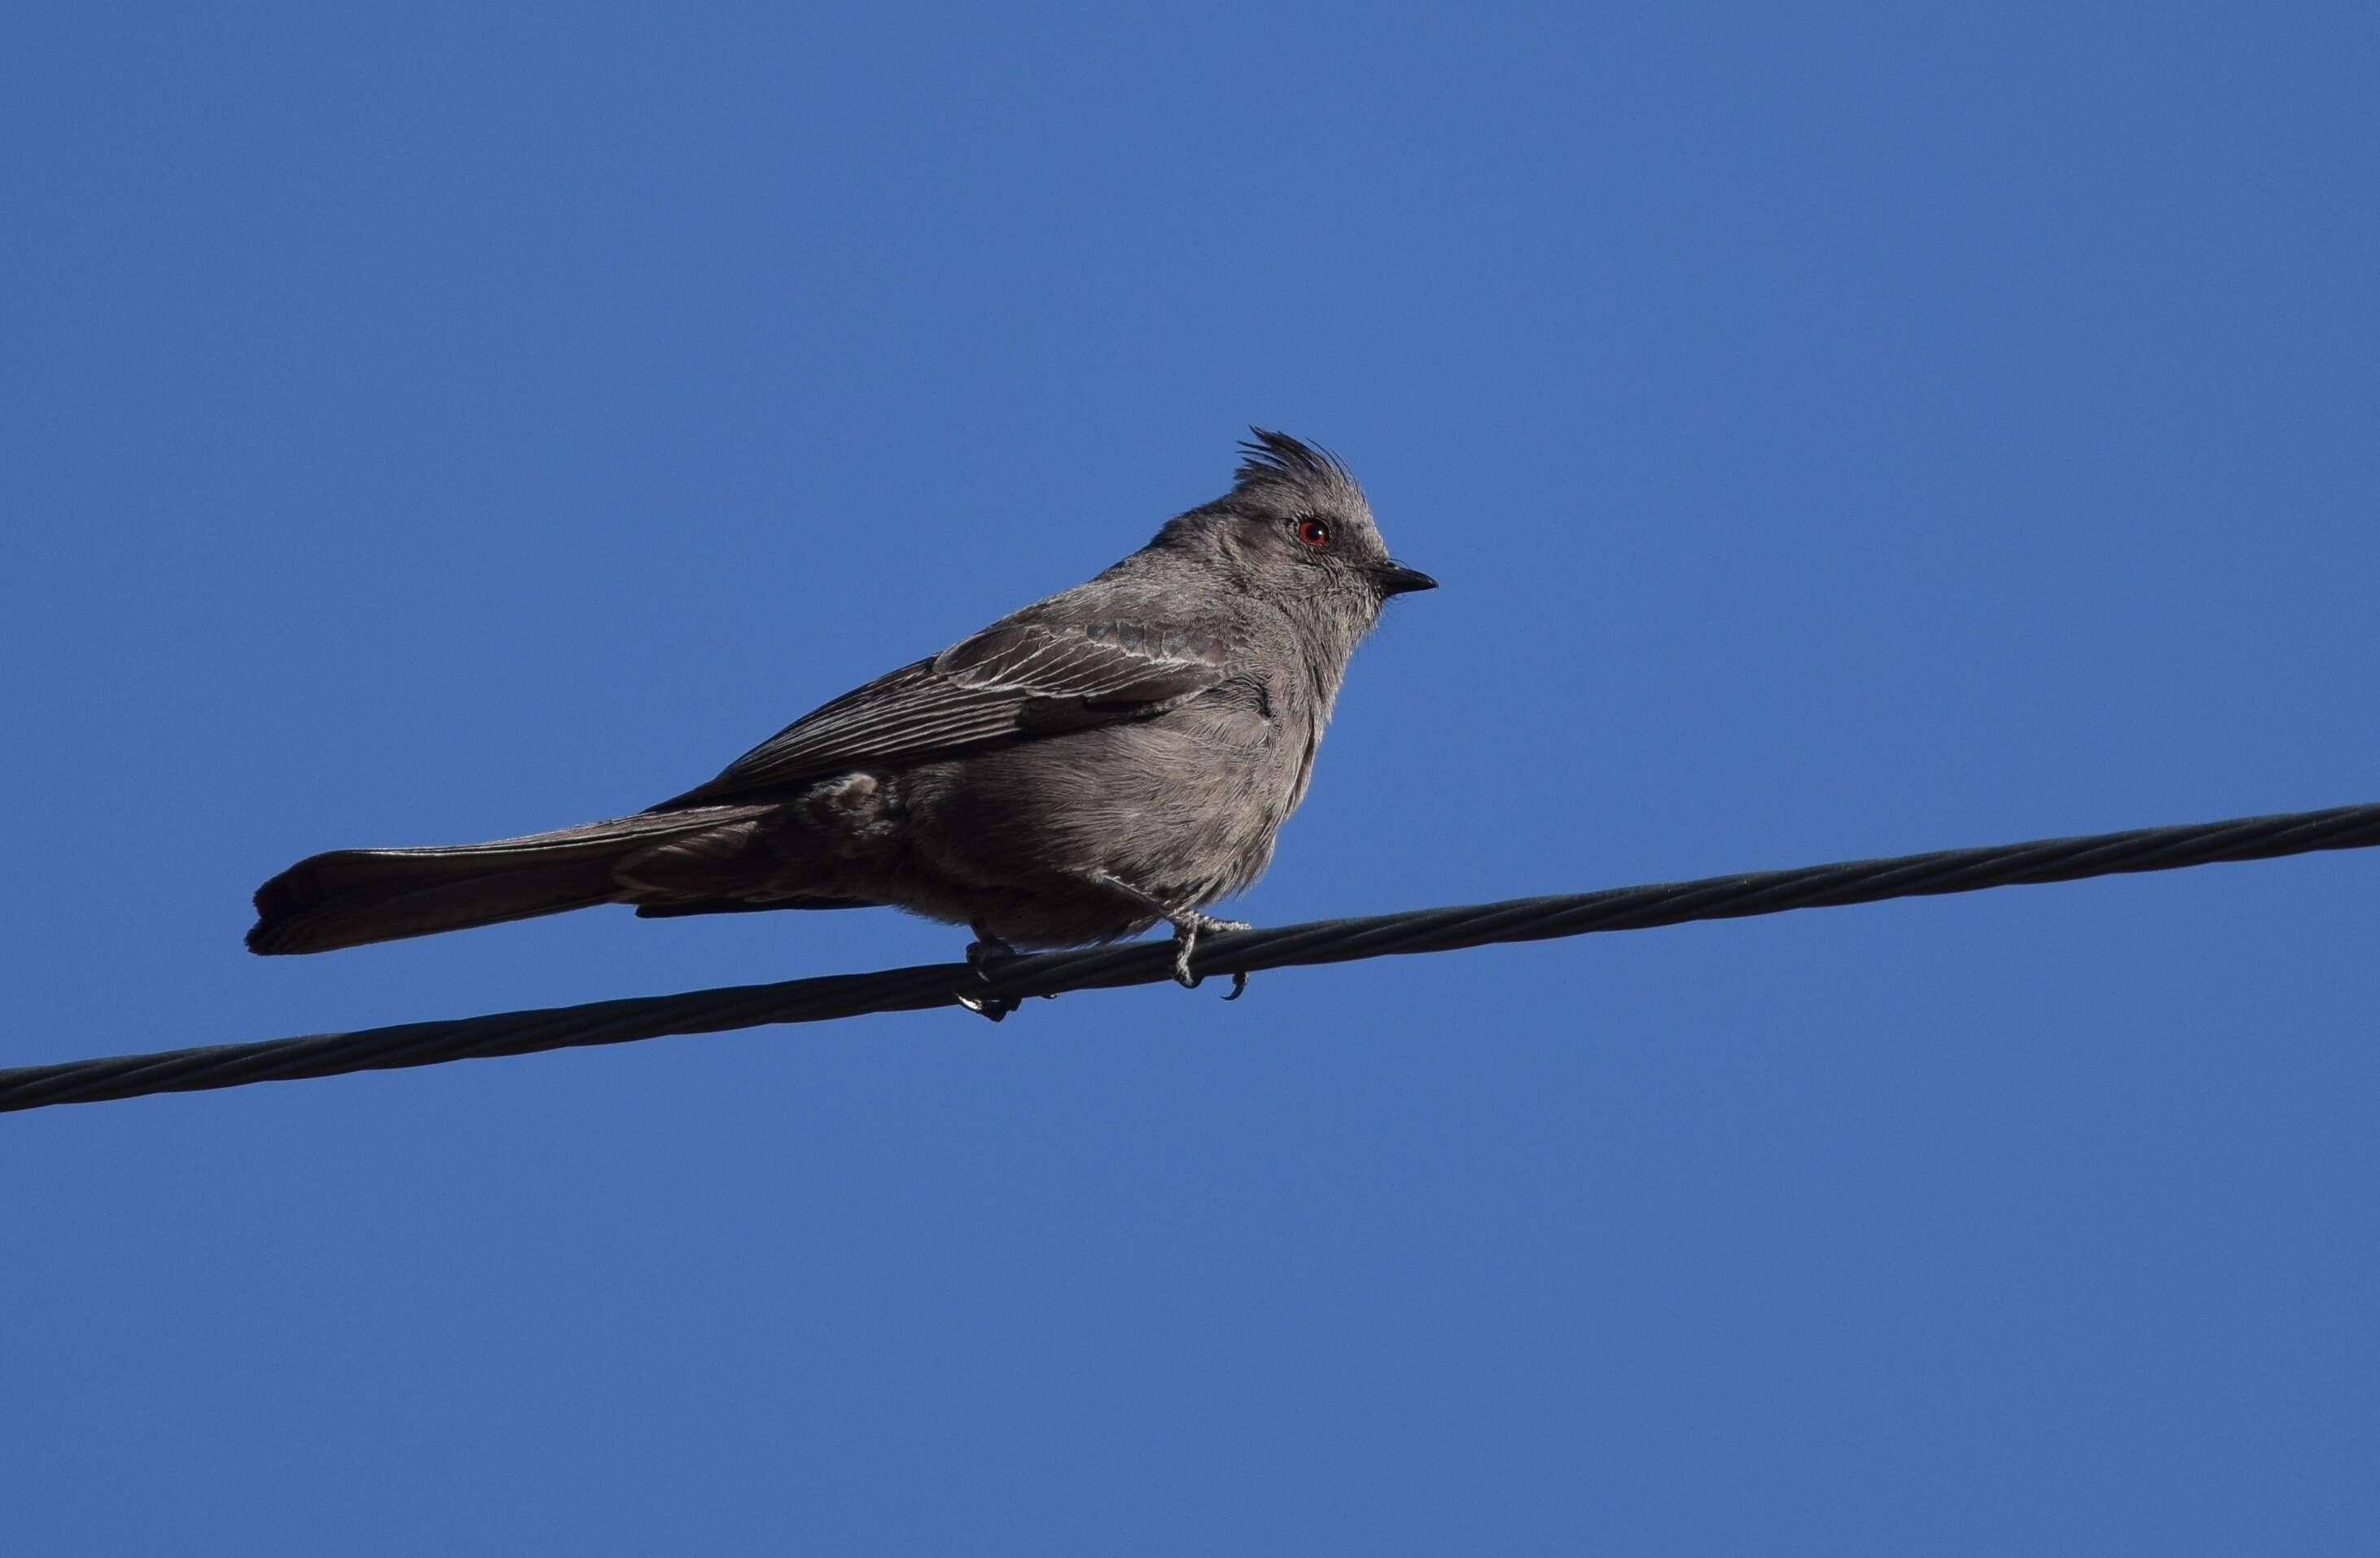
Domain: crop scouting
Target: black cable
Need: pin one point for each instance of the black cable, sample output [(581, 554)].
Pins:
[(1334, 941)]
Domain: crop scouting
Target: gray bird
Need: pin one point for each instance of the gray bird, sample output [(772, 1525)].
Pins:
[(1119, 754)]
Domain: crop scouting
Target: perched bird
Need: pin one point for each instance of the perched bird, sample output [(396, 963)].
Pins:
[(1118, 754)]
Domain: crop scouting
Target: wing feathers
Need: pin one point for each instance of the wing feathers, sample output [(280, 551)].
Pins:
[(1012, 680)]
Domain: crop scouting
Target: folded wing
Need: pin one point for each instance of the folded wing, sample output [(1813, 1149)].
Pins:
[(1011, 682)]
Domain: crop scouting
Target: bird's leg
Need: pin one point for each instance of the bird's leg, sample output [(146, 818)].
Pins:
[(985, 953), (1187, 924)]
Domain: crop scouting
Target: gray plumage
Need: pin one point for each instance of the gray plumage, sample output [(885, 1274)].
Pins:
[(1118, 754)]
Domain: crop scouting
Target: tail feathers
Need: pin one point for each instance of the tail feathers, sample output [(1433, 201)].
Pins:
[(352, 897)]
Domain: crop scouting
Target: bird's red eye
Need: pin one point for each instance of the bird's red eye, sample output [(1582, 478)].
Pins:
[(1313, 532)]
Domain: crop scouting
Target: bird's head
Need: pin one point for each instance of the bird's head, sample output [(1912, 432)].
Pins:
[(1296, 531)]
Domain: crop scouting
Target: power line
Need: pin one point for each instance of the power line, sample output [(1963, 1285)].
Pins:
[(1244, 951)]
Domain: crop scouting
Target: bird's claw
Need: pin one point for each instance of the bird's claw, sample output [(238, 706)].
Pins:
[(1187, 927), (985, 953)]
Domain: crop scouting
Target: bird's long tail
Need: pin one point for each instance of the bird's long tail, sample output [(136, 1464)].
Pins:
[(351, 897)]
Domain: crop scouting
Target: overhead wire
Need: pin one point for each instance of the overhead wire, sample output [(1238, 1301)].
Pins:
[(836, 997)]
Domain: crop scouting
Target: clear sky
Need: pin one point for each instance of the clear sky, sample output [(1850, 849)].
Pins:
[(1839, 430)]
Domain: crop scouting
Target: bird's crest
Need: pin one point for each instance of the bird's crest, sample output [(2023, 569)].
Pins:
[(1276, 459)]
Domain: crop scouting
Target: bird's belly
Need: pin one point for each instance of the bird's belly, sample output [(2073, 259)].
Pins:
[(1178, 808)]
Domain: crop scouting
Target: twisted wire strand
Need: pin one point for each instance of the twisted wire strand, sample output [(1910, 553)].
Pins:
[(1335, 941)]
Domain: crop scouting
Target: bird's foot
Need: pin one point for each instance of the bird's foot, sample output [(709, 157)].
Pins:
[(983, 955), (1188, 924), (992, 1008)]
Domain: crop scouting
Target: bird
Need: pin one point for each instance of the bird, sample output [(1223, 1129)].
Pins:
[(1115, 755)]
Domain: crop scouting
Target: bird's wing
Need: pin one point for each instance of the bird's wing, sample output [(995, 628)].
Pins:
[(1010, 681)]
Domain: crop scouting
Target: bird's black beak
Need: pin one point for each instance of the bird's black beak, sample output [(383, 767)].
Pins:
[(1395, 578)]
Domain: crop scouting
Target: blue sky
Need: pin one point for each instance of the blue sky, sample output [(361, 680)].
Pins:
[(1839, 432)]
